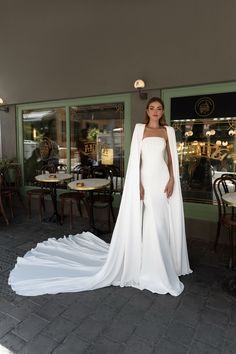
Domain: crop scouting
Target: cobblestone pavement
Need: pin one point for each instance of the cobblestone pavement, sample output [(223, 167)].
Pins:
[(116, 320)]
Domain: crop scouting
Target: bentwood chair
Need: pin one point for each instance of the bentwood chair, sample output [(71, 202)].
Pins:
[(226, 214), (13, 179), (5, 194), (61, 168), (40, 192), (118, 180), (74, 198), (102, 199), (82, 172)]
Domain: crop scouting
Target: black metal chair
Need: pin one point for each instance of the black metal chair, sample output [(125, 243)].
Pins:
[(5, 194), (61, 168), (118, 180), (40, 192), (13, 180), (82, 172), (77, 198), (103, 198), (226, 214)]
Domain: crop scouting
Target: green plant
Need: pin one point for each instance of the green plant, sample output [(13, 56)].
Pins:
[(92, 133), (5, 162)]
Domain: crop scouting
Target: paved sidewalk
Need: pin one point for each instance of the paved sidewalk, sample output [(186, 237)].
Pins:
[(116, 320)]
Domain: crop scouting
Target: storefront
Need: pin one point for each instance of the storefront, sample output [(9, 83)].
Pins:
[(204, 119), (88, 131)]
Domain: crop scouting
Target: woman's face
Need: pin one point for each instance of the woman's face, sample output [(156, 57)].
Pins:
[(155, 111)]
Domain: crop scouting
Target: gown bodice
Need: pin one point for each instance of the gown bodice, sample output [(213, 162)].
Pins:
[(153, 165)]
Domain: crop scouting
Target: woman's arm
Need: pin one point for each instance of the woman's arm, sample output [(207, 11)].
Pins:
[(141, 189), (170, 184)]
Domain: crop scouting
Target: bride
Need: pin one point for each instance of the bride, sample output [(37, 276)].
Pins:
[(148, 247)]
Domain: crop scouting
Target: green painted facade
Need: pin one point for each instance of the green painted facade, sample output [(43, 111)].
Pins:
[(196, 210)]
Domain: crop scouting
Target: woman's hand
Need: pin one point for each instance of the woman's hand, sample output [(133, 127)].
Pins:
[(169, 187), (141, 192)]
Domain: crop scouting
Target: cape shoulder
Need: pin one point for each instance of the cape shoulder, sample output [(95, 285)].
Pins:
[(139, 126)]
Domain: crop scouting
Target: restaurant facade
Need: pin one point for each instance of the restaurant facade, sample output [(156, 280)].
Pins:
[(77, 86)]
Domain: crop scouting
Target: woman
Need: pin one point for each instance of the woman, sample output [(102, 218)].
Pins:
[(148, 247)]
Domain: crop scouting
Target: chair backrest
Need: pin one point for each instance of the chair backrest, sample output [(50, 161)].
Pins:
[(61, 167), (12, 176), (103, 172), (48, 168), (1, 181), (118, 179), (222, 185), (81, 172)]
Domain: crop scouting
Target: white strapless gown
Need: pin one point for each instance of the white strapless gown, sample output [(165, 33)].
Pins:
[(85, 262), (158, 273)]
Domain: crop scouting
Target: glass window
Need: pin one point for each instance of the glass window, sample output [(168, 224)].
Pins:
[(97, 135), (206, 150), (44, 135)]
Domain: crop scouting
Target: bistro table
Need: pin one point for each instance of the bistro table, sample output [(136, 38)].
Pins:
[(230, 199), (89, 185), (52, 179)]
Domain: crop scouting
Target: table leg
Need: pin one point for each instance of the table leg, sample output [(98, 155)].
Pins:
[(91, 216), (92, 227), (3, 211), (55, 216)]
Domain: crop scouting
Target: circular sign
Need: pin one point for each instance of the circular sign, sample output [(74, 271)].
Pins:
[(204, 106)]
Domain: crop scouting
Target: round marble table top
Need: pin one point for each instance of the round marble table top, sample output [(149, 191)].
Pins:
[(53, 177), (89, 184)]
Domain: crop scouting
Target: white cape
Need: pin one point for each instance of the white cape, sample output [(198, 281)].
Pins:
[(85, 262)]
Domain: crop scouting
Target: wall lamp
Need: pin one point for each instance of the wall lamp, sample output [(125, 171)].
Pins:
[(139, 85), (3, 108)]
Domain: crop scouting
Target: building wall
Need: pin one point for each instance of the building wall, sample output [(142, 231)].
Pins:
[(8, 134), (63, 49)]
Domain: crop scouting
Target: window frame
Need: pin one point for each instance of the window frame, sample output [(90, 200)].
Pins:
[(197, 211), (125, 99)]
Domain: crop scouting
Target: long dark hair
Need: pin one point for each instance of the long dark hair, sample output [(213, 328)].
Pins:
[(155, 99)]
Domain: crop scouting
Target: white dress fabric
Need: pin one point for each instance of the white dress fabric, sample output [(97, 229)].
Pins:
[(158, 273), (148, 248)]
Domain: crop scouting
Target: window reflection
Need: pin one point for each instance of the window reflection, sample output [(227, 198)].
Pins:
[(206, 150), (97, 135), (44, 140)]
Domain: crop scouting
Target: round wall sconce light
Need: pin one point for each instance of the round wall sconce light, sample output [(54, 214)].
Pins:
[(3, 108), (139, 85)]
